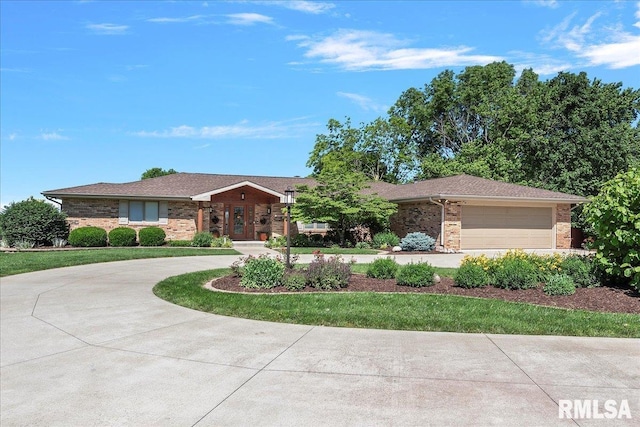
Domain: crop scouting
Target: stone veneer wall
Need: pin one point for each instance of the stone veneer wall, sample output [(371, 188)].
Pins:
[(563, 227), (104, 213), (420, 216), (452, 225)]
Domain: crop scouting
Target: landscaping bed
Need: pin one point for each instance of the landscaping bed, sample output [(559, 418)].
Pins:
[(601, 299)]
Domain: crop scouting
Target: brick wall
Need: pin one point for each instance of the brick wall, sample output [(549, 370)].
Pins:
[(563, 227), (104, 213), (423, 217)]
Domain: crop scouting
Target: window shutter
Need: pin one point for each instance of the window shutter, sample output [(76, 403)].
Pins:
[(163, 210), (123, 216)]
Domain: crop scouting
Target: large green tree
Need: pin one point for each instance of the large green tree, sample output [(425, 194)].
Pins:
[(156, 172), (32, 220), (340, 199)]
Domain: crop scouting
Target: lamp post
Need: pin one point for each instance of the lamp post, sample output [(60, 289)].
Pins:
[(288, 200)]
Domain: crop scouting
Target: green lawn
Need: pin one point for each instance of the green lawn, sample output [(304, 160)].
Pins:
[(417, 312), (25, 262)]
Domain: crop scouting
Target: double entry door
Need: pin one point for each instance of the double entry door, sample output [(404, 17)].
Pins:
[(239, 221)]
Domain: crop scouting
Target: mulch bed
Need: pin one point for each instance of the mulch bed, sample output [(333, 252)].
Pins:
[(603, 299)]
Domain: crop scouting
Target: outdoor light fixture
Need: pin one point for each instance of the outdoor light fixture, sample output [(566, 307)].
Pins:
[(268, 211), (242, 196), (289, 200)]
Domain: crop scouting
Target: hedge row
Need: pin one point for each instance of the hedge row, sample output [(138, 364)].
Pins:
[(87, 237)]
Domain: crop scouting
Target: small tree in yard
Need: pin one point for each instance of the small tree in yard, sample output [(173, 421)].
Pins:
[(615, 216), (339, 200), (32, 220)]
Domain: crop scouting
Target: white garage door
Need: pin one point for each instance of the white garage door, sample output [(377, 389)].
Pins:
[(493, 227)]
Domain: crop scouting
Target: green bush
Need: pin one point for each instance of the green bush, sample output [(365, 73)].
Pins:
[(415, 275), (262, 272), (615, 216), (329, 273), (88, 237), (276, 242), (385, 239), (179, 243), (514, 273), (560, 284), (417, 242), (32, 220), (470, 275), (222, 242), (295, 281), (581, 269), (363, 245), (202, 239), (151, 236), (383, 268), (122, 236)]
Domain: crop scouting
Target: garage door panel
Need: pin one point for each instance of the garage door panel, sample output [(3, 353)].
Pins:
[(493, 227)]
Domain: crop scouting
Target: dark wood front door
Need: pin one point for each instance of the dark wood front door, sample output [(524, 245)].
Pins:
[(240, 222)]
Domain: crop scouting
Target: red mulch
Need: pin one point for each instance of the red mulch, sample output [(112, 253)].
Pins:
[(604, 299)]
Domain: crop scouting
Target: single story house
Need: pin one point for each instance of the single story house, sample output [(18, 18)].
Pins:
[(460, 212)]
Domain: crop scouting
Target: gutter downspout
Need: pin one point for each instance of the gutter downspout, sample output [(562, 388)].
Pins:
[(53, 201), (441, 220)]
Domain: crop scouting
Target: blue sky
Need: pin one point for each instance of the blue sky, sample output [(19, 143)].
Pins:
[(97, 91)]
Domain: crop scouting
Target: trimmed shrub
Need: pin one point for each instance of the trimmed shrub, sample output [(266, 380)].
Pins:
[(514, 273), (581, 269), (385, 239), (560, 284), (295, 281), (88, 237), (363, 245), (383, 268), (122, 236), (202, 239), (32, 220), (151, 236), (417, 242), (470, 275), (179, 243), (262, 272), (415, 275), (328, 274)]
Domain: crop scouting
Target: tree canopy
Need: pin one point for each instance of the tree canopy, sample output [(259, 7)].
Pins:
[(569, 133), (340, 201), (156, 172)]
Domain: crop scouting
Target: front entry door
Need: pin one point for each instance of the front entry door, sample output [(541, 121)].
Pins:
[(240, 226)]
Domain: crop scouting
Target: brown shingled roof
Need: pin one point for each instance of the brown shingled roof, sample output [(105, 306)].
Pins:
[(187, 185), (471, 187)]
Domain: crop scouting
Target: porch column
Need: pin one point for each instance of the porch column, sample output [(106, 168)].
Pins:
[(200, 216)]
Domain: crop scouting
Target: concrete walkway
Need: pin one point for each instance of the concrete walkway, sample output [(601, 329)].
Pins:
[(92, 346)]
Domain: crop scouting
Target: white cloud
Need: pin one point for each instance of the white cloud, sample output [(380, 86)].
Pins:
[(15, 70), (619, 50), (356, 50), (172, 20), (248, 19), (108, 29), (362, 101), (540, 63), (241, 130), (305, 6), (53, 136), (552, 4)]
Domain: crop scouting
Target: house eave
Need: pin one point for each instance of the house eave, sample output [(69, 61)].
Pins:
[(113, 196), (462, 198), (205, 197)]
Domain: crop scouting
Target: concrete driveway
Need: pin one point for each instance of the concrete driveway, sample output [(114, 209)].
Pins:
[(92, 346)]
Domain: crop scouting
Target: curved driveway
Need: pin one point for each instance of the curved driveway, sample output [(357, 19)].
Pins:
[(91, 345)]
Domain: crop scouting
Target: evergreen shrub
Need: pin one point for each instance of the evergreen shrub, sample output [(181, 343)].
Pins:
[(417, 242), (151, 236), (122, 236), (88, 237), (383, 268)]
